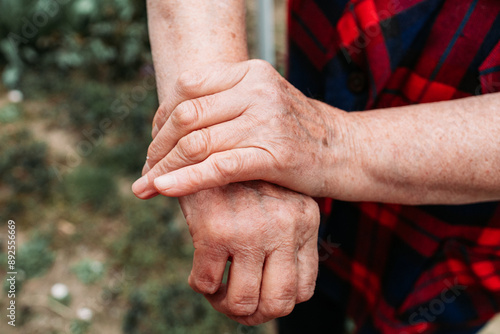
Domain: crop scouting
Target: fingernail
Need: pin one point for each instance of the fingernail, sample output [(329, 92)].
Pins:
[(165, 182), (155, 131), (140, 185)]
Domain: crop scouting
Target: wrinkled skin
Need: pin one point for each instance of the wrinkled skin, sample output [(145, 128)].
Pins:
[(269, 233), (271, 241), (253, 125)]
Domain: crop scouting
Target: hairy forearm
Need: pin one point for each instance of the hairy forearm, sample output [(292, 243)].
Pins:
[(189, 33), (436, 153)]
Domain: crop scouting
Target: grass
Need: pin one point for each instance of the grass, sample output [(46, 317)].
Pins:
[(81, 225), (65, 179)]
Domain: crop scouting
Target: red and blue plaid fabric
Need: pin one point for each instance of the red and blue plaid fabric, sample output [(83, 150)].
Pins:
[(403, 269)]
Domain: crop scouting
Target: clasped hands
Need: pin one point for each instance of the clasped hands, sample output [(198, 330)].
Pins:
[(224, 126)]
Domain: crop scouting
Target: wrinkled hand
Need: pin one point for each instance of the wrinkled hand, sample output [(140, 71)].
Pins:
[(270, 238), (268, 232), (240, 122)]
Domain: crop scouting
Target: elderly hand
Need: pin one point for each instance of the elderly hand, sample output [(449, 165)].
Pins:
[(240, 122), (269, 234), (270, 239)]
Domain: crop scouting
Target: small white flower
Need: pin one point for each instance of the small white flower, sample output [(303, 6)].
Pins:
[(15, 96), (59, 291), (84, 314)]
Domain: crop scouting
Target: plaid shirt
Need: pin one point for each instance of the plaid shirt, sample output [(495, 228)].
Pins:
[(394, 268)]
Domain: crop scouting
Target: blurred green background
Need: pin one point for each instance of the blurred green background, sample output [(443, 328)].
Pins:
[(76, 103)]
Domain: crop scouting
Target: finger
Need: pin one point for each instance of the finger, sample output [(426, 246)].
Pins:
[(217, 299), (278, 289), (195, 148), (307, 270), (193, 115), (241, 297), (208, 269), (200, 144), (210, 79), (219, 169)]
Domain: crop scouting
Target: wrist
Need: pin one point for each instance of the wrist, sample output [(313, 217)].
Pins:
[(189, 33), (167, 81), (344, 162)]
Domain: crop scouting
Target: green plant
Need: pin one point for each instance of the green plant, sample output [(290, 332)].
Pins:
[(35, 256), (10, 113), (94, 35), (78, 326), (127, 157), (179, 306), (136, 311), (92, 186), (88, 103), (24, 163), (153, 241), (173, 308), (88, 271)]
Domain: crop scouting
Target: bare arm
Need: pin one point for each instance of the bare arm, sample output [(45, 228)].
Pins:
[(189, 33), (435, 153), (446, 152), (269, 233)]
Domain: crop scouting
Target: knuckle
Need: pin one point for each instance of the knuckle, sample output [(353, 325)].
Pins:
[(222, 235), (189, 81), (284, 223), (271, 93), (228, 165), (281, 303), (312, 215), (216, 232), (185, 114), (194, 146), (261, 64), (195, 177), (276, 308), (305, 293), (243, 305), (265, 89), (284, 218), (203, 284)]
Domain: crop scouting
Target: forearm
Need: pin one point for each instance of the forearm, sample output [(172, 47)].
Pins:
[(192, 33), (188, 33), (437, 153)]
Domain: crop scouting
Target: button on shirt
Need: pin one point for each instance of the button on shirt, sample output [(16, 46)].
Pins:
[(356, 82)]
